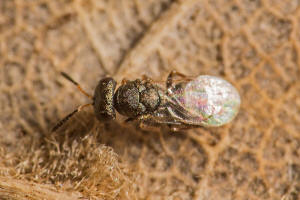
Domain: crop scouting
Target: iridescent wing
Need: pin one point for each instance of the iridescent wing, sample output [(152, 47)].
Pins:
[(172, 113), (204, 101)]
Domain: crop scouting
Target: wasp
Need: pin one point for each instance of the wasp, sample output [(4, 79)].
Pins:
[(184, 102)]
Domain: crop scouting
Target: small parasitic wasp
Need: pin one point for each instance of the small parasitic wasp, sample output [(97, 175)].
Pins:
[(183, 103)]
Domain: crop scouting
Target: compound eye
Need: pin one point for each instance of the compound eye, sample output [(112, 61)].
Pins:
[(103, 99)]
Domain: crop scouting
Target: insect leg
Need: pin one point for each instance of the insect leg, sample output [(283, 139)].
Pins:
[(146, 78), (66, 76), (176, 128), (124, 81), (130, 119), (150, 120), (171, 76)]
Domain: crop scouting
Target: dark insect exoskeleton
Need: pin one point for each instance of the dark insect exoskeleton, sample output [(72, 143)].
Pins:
[(183, 103)]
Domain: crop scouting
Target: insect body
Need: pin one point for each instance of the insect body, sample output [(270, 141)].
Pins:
[(182, 103)]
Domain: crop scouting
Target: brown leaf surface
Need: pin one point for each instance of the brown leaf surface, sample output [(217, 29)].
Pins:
[(252, 43)]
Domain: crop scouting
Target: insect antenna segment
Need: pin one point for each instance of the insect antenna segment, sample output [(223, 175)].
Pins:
[(66, 118), (66, 76)]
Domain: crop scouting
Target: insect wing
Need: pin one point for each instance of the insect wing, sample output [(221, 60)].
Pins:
[(204, 101), (171, 113)]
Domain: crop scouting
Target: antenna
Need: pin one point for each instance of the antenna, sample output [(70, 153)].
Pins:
[(66, 118), (66, 76)]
